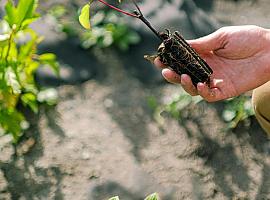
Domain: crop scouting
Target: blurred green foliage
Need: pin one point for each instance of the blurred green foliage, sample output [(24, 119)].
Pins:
[(150, 197), (172, 107), (235, 109), (109, 28), (18, 62)]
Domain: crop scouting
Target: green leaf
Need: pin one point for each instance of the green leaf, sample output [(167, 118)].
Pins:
[(50, 60), (152, 197), (31, 68), (47, 57), (28, 21), (4, 27), (58, 11), (49, 96), (114, 198), (18, 62), (84, 17), (98, 18), (4, 39), (23, 15), (29, 99), (10, 120), (11, 13), (12, 81), (133, 38), (25, 10), (152, 102)]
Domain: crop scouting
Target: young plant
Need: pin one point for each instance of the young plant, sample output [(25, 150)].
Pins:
[(114, 198), (150, 197), (18, 63), (174, 51), (236, 110), (172, 108)]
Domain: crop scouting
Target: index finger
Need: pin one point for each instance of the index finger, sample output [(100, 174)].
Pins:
[(208, 43)]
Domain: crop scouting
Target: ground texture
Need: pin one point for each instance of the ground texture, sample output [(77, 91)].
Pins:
[(101, 139)]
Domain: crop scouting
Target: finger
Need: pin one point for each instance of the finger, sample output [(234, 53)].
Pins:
[(187, 85), (158, 63), (209, 94), (210, 42), (171, 76)]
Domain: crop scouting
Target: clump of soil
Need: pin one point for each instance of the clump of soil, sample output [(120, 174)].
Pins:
[(177, 54)]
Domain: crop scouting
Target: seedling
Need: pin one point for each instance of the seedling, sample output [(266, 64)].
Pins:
[(150, 197), (174, 51)]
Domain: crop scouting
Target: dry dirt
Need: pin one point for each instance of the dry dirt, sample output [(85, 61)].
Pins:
[(101, 140)]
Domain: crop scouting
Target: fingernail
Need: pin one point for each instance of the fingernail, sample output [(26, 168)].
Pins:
[(183, 79), (183, 76), (164, 71), (182, 82), (199, 86)]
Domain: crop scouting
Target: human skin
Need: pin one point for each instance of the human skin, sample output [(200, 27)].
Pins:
[(239, 57)]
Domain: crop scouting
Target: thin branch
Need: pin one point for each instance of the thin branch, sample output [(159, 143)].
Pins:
[(118, 9), (145, 21), (138, 8), (9, 46), (137, 14)]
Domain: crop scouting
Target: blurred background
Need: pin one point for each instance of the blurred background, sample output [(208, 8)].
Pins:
[(115, 127)]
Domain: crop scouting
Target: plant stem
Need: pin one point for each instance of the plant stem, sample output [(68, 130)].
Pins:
[(137, 14), (9, 46), (147, 23), (2, 49), (118, 9)]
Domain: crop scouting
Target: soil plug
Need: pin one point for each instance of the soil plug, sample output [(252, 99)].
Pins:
[(174, 51)]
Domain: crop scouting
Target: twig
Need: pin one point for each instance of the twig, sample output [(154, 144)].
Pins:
[(137, 14)]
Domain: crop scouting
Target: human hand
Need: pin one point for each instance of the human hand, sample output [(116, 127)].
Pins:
[(239, 57)]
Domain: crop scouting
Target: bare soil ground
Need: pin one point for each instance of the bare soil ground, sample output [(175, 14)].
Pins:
[(101, 140)]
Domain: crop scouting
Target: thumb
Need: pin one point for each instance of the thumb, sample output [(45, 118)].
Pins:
[(211, 42)]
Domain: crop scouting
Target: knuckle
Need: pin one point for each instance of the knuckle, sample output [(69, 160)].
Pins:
[(209, 100), (177, 78)]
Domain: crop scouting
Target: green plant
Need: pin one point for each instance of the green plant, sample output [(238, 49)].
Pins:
[(172, 107), (236, 110), (150, 197), (85, 14), (109, 29), (114, 198), (18, 62), (84, 17)]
